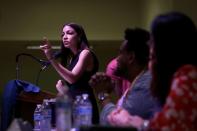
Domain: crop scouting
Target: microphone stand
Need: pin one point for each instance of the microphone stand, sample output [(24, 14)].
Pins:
[(38, 76), (42, 62)]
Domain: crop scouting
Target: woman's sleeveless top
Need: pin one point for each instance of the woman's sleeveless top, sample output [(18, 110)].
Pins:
[(81, 85)]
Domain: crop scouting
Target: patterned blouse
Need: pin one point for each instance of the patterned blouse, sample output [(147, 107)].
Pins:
[(180, 111)]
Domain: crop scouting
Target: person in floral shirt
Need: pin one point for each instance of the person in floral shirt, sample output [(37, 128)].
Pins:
[(174, 70)]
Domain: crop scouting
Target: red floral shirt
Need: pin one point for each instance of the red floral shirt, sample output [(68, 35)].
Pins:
[(180, 111)]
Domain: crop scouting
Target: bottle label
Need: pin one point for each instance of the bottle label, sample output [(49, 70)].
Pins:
[(37, 117), (84, 110), (63, 104), (63, 119), (47, 113)]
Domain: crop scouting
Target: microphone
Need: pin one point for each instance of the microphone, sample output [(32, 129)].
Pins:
[(45, 64), (42, 62)]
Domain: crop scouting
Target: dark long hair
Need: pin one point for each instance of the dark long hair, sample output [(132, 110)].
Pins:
[(66, 53), (174, 40)]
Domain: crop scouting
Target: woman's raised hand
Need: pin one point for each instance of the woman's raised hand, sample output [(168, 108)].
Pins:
[(46, 47)]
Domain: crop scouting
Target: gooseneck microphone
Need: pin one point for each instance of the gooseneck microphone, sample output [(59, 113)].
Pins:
[(44, 63)]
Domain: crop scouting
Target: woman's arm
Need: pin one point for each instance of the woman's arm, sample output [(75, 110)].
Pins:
[(83, 63), (80, 67)]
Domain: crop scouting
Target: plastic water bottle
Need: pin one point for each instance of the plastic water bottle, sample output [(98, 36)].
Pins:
[(85, 111), (46, 113), (37, 118), (63, 113), (76, 109), (52, 103)]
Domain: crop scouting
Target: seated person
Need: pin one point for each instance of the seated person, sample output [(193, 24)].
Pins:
[(132, 66), (120, 84)]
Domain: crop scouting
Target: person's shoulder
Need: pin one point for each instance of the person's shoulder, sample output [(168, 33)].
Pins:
[(88, 55), (186, 69), (146, 76), (147, 73), (85, 52), (143, 83), (113, 62), (111, 67), (189, 71)]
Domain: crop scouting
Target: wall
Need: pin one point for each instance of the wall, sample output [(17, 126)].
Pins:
[(151, 8), (188, 7), (24, 23), (102, 20), (31, 20)]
